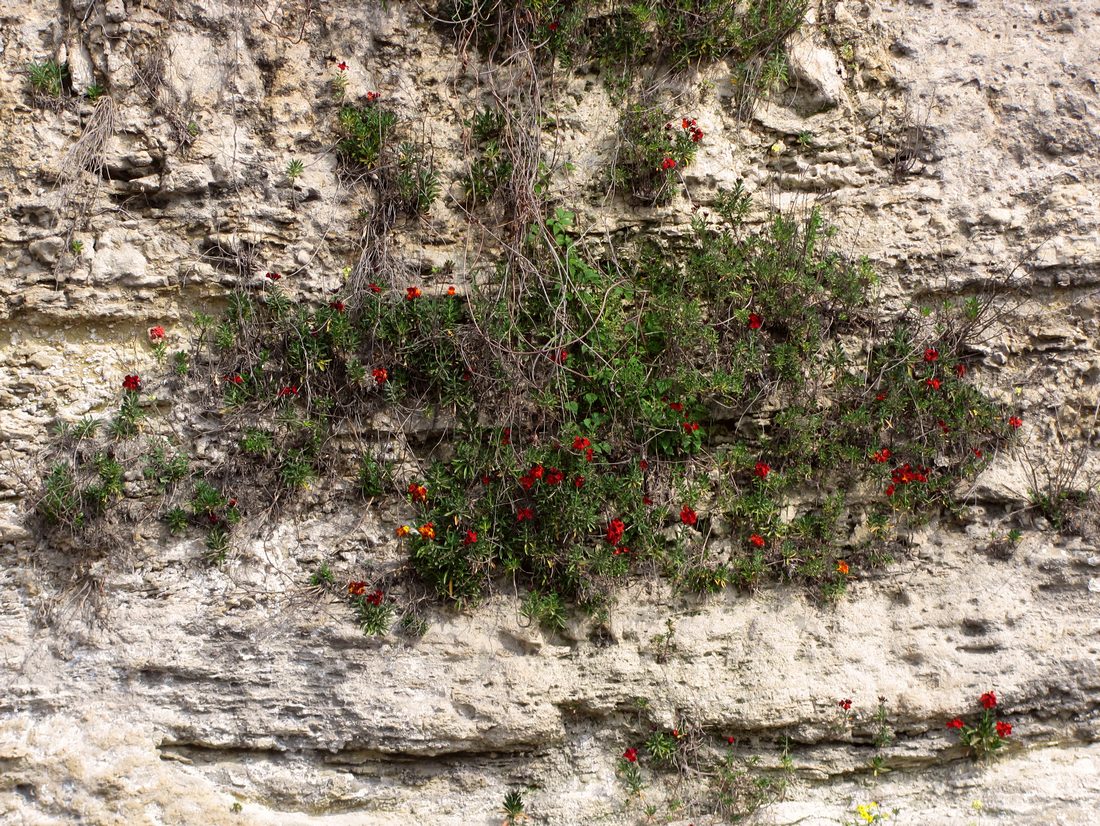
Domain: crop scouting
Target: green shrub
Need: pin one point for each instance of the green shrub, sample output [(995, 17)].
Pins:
[(365, 130)]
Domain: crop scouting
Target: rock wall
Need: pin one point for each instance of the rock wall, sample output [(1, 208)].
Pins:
[(955, 147)]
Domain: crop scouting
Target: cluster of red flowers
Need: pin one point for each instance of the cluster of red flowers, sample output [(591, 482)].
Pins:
[(1015, 422), (525, 515), (375, 598), (932, 383), (470, 538), (881, 456), (667, 164), (451, 291), (904, 474), (931, 354), (960, 370), (380, 375), (615, 530), (156, 333), (339, 306), (289, 390), (755, 321), (272, 276), (845, 704), (692, 126), (631, 755), (427, 530), (988, 700), (578, 482), (691, 427), (412, 292), (676, 407), (560, 357), (688, 515), (372, 97), (581, 443), (418, 493), (762, 470), (757, 540), (131, 383), (234, 378), (374, 288)]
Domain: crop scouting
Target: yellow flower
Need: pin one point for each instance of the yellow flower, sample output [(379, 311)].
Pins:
[(404, 530)]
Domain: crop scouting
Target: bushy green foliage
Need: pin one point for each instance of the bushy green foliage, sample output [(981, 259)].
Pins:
[(365, 132), (47, 79), (654, 147)]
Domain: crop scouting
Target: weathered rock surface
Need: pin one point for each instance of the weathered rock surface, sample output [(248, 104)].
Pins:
[(953, 143)]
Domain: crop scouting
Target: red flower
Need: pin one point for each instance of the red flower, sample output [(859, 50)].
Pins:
[(554, 477), (560, 357), (374, 288), (676, 407), (696, 135), (757, 540), (882, 455), (342, 66), (470, 538), (131, 383), (668, 163), (881, 397), (731, 740), (933, 383), (685, 123), (845, 704), (376, 598), (538, 471), (506, 436), (380, 375), (588, 455), (1003, 729), (956, 723), (647, 500), (960, 370), (889, 490), (643, 465), (450, 291), (578, 483), (418, 493), (427, 530), (412, 292), (339, 306), (156, 333), (553, 26), (755, 321), (580, 443), (289, 390), (615, 530), (372, 97), (931, 354), (688, 515), (989, 700), (977, 453), (525, 515), (620, 551), (631, 755), (1015, 422), (357, 589), (762, 470), (690, 427), (943, 426), (235, 379), (527, 482), (272, 276)]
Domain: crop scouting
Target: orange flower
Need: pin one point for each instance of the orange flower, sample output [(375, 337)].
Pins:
[(404, 530), (418, 493), (842, 567), (412, 292), (357, 589), (427, 530), (450, 291)]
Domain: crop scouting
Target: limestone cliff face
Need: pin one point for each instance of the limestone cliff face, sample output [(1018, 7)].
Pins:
[(956, 147)]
